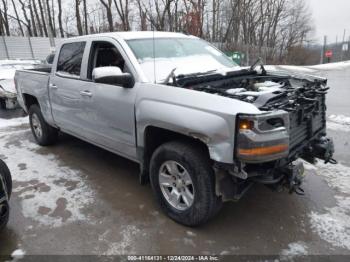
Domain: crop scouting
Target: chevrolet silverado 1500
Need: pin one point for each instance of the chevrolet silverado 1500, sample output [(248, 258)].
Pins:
[(202, 129)]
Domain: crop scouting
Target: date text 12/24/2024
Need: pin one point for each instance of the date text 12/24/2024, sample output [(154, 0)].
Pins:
[(174, 258)]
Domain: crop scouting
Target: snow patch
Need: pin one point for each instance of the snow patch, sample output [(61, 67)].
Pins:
[(333, 224), (50, 193), (295, 249), (18, 254), (191, 234), (340, 119), (310, 69), (126, 246), (338, 123), (4, 123), (332, 66), (301, 69)]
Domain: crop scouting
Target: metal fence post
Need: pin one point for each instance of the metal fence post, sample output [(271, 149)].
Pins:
[(6, 50), (31, 47)]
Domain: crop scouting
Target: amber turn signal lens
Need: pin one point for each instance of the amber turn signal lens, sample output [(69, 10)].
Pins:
[(245, 124), (260, 151)]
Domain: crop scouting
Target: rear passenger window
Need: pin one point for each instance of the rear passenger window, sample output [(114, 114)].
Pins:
[(70, 58)]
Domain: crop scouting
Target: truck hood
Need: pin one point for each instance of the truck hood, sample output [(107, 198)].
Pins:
[(266, 90)]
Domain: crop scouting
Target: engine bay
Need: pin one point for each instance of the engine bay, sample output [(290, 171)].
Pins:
[(266, 91)]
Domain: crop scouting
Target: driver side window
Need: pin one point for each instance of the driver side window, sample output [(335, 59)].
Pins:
[(105, 54)]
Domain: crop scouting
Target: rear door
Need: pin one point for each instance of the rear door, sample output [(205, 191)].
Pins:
[(68, 102)]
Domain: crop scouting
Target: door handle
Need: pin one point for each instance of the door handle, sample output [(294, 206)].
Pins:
[(86, 93), (53, 86)]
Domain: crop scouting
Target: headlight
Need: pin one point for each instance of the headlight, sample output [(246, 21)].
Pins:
[(262, 138)]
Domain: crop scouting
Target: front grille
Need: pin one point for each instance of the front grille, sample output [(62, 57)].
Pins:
[(305, 125)]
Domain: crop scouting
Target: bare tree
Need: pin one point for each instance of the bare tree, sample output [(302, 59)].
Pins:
[(123, 12), (42, 14), (142, 15), (85, 18), (50, 17), (32, 18), (37, 18), (27, 19), (4, 22), (108, 6), (78, 19), (60, 26)]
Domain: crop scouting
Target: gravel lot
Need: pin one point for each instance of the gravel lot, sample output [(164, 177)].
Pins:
[(74, 198)]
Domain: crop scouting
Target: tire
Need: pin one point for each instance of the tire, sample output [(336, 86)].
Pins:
[(2, 104), (4, 215), (4, 207), (43, 133), (190, 159), (5, 173)]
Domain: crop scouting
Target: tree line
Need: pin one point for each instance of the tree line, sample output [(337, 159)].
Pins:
[(272, 27)]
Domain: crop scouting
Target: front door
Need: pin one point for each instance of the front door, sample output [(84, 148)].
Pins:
[(111, 117)]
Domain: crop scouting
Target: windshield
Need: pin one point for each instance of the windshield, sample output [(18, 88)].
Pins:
[(187, 55)]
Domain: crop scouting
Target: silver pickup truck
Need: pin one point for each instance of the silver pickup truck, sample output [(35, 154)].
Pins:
[(202, 128)]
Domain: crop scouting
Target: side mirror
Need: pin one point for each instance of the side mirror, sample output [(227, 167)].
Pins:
[(112, 75)]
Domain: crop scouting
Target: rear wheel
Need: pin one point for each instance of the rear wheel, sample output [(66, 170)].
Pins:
[(43, 133), (183, 181)]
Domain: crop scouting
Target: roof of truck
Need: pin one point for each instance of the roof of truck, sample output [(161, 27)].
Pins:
[(138, 35)]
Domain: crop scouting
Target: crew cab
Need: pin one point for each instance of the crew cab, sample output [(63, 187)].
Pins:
[(202, 129)]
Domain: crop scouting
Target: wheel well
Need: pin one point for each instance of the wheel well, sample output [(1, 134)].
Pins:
[(30, 100), (155, 136)]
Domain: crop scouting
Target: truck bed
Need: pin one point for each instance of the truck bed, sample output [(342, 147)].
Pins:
[(34, 82)]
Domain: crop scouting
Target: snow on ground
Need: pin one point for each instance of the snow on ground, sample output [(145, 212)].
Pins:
[(51, 194), (332, 66), (339, 123), (295, 249), (310, 69), (13, 122), (129, 234), (18, 254), (333, 224)]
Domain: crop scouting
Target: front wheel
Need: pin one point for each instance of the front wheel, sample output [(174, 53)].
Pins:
[(43, 133), (184, 183)]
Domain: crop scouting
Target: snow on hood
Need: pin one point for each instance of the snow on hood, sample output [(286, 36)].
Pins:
[(183, 65)]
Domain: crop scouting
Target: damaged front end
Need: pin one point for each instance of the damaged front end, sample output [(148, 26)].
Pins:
[(292, 125)]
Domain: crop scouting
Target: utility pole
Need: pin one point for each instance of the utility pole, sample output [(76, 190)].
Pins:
[(323, 49), (49, 31), (342, 46)]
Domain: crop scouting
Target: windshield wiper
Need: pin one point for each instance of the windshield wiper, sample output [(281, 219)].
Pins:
[(170, 75), (260, 62), (198, 74), (173, 76)]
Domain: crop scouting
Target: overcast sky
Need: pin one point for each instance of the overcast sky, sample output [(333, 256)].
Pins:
[(330, 18)]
